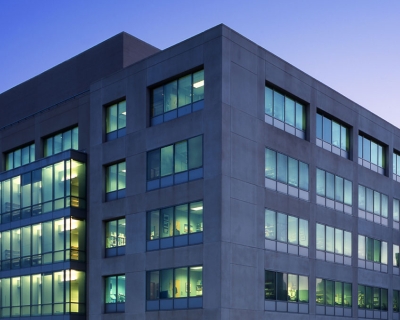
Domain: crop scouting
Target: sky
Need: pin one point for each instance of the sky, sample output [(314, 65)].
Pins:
[(352, 46)]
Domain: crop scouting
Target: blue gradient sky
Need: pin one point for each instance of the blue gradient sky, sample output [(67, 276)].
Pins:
[(353, 46)]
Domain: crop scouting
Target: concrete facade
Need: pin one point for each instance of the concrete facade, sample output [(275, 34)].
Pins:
[(235, 134)]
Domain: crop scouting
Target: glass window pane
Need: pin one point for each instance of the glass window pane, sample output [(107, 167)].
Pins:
[(384, 299), (181, 220), (121, 289), (198, 85), (344, 137), (369, 198), (157, 102), (289, 111), (282, 227), (111, 118), (330, 238), (339, 189), (303, 176), (303, 232), (111, 234), (185, 90), (338, 241), (111, 290), (347, 244), (153, 225), (281, 285), (17, 158), (395, 255), (319, 126), (270, 285), (321, 182), (121, 175), (329, 293), (330, 186), (166, 278), (396, 210), (153, 164), (327, 130), (196, 216), (377, 251), (282, 168), (384, 205), (348, 192), (167, 157), (369, 248), (338, 293), (368, 297), (360, 146), (293, 224), (320, 291), (170, 96), (167, 222), (384, 252), (320, 237), (268, 101), (361, 197), (10, 161), (366, 149), (57, 143), (293, 172), (279, 102), (303, 289), (181, 280), (377, 298), (270, 164), (66, 139), (335, 134), (395, 301), (181, 156), (300, 117), (377, 203), (153, 285), (196, 281), (293, 287), (25, 155), (75, 138), (111, 178), (381, 156), (270, 224), (195, 152), (122, 114), (361, 297), (347, 295), (374, 153)]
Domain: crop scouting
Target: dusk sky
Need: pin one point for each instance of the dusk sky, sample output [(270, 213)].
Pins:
[(353, 46)]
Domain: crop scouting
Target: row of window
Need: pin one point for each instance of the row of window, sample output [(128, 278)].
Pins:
[(42, 243), (54, 293)]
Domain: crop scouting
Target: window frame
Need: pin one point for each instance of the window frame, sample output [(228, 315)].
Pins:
[(117, 192), (120, 130), (115, 246), (366, 147)]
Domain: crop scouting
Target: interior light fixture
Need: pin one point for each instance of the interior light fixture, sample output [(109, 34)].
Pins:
[(196, 268), (198, 84), (124, 113), (197, 208)]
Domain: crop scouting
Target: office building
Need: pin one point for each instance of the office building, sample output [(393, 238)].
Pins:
[(209, 180)]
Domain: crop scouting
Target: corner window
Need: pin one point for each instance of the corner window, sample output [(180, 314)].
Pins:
[(333, 136), (61, 142), (373, 205), (286, 233), (372, 254), (285, 174), (175, 163), (285, 113), (114, 294), (177, 98), (20, 157), (371, 298), (334, 192), (115, 237), (175, 226), (332, 294), (286, 287), (179, 288), (371, 154), (116, 121), (115, 181), (333, 244)]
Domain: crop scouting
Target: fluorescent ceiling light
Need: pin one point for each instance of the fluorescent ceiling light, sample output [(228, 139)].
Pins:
[(197, 208), (124, 113), (198, 84)]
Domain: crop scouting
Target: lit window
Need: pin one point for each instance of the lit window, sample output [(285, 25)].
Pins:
[(371, 154), (175, 163), (116, 121), (60, 142), (372, 298), (333, 136), (332, 293), (177, 98), (115, 237), (373, 205), (285, 113), (115, 181), (372, 254), (115, 294), (20, 157)]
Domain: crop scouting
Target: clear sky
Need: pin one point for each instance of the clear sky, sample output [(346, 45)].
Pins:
[(353, 46)]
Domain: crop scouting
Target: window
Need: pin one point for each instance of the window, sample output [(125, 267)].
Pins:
[(52, 241), (333, 136), (396, 166), (396, 296), (286, 233), (331, 295), (115, 293), (286, 287), (52, 293), (396, 257), (20, 157), (372, 298), (115, 181), (116, 121), (333, 244), (115, 237), (176, 163), (57, 186), (334, 192), (372, 254), (60, 142), (175, 226), (285, 174), (285, 113), (396, 215), (372, 205), (371, 154), (179, 288), (177, 98)]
